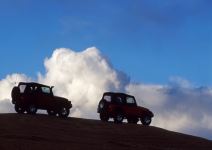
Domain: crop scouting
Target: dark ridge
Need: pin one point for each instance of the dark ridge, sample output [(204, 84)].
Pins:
[(39, 132)]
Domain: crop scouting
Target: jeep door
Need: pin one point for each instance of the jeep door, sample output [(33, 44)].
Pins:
[(26, 92), (118, 102), (44, 97), (130, 107)]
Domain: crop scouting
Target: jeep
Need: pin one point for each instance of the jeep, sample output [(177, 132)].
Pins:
[(120, 106), (32, 96)]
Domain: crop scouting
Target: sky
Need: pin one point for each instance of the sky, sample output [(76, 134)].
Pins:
[(158, 51), (151, 41)]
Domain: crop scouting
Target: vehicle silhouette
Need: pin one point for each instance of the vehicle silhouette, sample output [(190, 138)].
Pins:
[(120, 106), (30, 96)]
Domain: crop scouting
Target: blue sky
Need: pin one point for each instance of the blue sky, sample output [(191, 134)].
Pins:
[(150, 40)]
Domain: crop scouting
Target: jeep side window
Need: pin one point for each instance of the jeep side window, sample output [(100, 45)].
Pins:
[(38, 90), (107, 98), (118, 100), (130, 100), (28, 89), (22, 88), (46, 90)]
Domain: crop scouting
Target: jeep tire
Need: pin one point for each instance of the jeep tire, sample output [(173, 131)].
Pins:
[(104, 116), (32, 109), (146, 120), (63, 112), (19, 109), (119, 117), (51, 112)]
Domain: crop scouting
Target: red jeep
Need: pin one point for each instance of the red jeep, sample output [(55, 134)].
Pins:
[(32, 96), (120, 106)]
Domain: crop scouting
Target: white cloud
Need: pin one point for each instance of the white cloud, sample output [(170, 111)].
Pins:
[(82, 77), (177, 81), (6, 86), (148, 94), (182, 108)]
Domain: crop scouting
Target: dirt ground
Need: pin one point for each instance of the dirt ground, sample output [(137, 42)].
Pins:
[(39, 132)]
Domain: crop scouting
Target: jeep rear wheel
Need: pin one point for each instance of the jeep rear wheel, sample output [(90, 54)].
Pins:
[(146, 120), (118, 118), (64, 112), (104, 116), (51, 112), (19, 109), (32, 109)]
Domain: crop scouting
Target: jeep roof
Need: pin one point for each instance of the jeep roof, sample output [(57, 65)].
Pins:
[(33, 84), (117, 93)]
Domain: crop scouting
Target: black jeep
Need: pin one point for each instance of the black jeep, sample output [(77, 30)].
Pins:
[(32, 96)]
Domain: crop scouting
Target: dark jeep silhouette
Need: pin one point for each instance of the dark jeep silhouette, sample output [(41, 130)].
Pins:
[(32, 96), (120, 106)]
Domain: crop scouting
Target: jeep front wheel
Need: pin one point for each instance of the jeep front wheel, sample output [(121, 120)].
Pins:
[(146, 120), (19, 109), (118, 118), (64, 112), (104, 117), (32, 109)]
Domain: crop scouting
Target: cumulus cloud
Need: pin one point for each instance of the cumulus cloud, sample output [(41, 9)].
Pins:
[(6, 86), (177, 106), (82, 77)]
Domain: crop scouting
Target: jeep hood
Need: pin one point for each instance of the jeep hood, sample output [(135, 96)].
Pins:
[(60, 98), (146, 111)]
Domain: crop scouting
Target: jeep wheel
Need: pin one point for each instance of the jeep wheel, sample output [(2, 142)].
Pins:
[(146, 120), (104, 117), (51, 112), (19, 109), (64, 112), (118, 118), (132, 120), (32, 109)]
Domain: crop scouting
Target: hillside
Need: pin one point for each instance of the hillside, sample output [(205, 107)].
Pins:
[(39, 132)]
